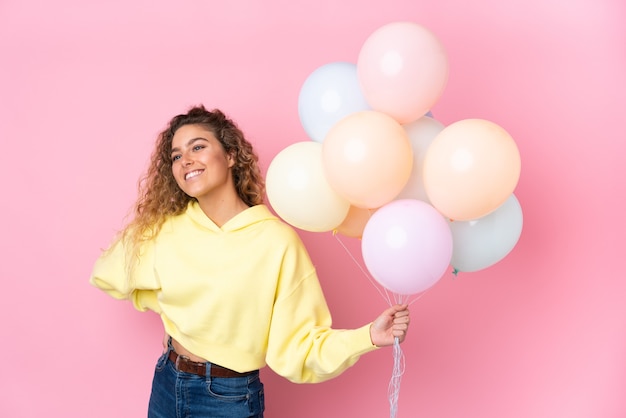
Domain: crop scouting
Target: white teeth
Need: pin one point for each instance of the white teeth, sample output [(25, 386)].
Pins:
[(192, 174)]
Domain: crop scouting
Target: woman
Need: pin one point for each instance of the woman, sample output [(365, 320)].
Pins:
[(233, 284)]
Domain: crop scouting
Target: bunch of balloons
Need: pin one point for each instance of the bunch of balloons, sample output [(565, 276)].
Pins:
[(421, 196)]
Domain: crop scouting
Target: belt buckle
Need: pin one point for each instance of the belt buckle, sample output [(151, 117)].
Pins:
[(180, 359)]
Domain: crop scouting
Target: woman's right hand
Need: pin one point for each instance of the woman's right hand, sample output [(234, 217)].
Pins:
[(391, 324)]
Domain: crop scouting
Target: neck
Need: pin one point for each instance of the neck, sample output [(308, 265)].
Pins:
[(220, 209)]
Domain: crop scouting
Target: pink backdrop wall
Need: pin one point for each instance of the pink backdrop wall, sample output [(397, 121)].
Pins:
[(84, 89)]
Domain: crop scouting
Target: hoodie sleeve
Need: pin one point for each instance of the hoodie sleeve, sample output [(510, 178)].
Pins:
[(302, 346), (111, 276)]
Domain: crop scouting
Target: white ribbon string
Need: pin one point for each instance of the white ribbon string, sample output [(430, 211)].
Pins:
[(398, 354), (396, 378)]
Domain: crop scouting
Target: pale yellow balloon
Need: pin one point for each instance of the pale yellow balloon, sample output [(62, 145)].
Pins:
[(298, 191), (470, 169), (367, 158)]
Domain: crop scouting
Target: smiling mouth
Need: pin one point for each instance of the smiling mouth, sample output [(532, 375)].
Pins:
[(193, 174)]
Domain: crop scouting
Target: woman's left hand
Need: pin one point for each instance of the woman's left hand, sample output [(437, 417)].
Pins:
[(392, 323)]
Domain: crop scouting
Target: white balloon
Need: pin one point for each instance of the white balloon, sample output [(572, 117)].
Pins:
[(481, 243), (421, 133), (329, 94)]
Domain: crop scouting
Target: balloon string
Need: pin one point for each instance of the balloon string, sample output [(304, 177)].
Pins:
[(396, 378), (418, 296), (384, 293), (389, 297), (398, 355)]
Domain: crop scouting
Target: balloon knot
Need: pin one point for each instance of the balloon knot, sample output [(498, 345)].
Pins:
[(455, 271)]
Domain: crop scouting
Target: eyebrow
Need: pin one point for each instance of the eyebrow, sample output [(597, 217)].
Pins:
[(191, 141)]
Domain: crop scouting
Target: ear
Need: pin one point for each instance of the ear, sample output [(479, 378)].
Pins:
[(230, 157)]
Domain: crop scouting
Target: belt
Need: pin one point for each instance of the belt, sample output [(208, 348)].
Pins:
[(184, 364)]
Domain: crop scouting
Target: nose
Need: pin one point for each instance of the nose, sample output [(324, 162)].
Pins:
[(186, 161)]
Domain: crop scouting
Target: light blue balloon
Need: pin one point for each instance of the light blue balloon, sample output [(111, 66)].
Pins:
[(329, 94), (481, 243)]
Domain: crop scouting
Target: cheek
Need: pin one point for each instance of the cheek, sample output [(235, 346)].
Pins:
[(177, 176)]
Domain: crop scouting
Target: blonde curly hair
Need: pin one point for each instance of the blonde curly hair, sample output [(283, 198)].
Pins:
[(159, 196)]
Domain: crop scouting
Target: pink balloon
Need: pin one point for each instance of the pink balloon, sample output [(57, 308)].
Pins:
[(407, 246), (403, 69)]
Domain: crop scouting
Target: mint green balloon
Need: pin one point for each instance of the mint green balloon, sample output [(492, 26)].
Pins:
[(481, 243)]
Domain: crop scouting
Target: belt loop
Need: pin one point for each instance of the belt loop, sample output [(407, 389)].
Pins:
[(207, 372), (170, 347)]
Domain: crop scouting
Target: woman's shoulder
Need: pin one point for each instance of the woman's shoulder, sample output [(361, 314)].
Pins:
[(274, 228)]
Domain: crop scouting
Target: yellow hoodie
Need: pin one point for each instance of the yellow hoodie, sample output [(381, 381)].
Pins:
[(241, 296)]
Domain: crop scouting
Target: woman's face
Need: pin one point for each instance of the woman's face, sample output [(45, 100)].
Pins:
[(200, 165)]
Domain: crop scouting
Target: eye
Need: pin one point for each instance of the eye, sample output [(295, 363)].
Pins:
[(175, 157), (198, 147)]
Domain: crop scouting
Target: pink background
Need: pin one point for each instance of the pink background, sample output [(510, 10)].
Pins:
[(84, 90)]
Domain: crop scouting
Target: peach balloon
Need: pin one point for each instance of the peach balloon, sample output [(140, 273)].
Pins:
[(403, 69), (298, 190), (470, 169), (367, 158), (355, 222)]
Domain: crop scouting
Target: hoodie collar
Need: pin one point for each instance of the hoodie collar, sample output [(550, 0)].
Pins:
[(250, 216)]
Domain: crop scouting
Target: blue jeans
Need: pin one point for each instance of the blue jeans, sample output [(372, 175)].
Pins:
[(177, 394)]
